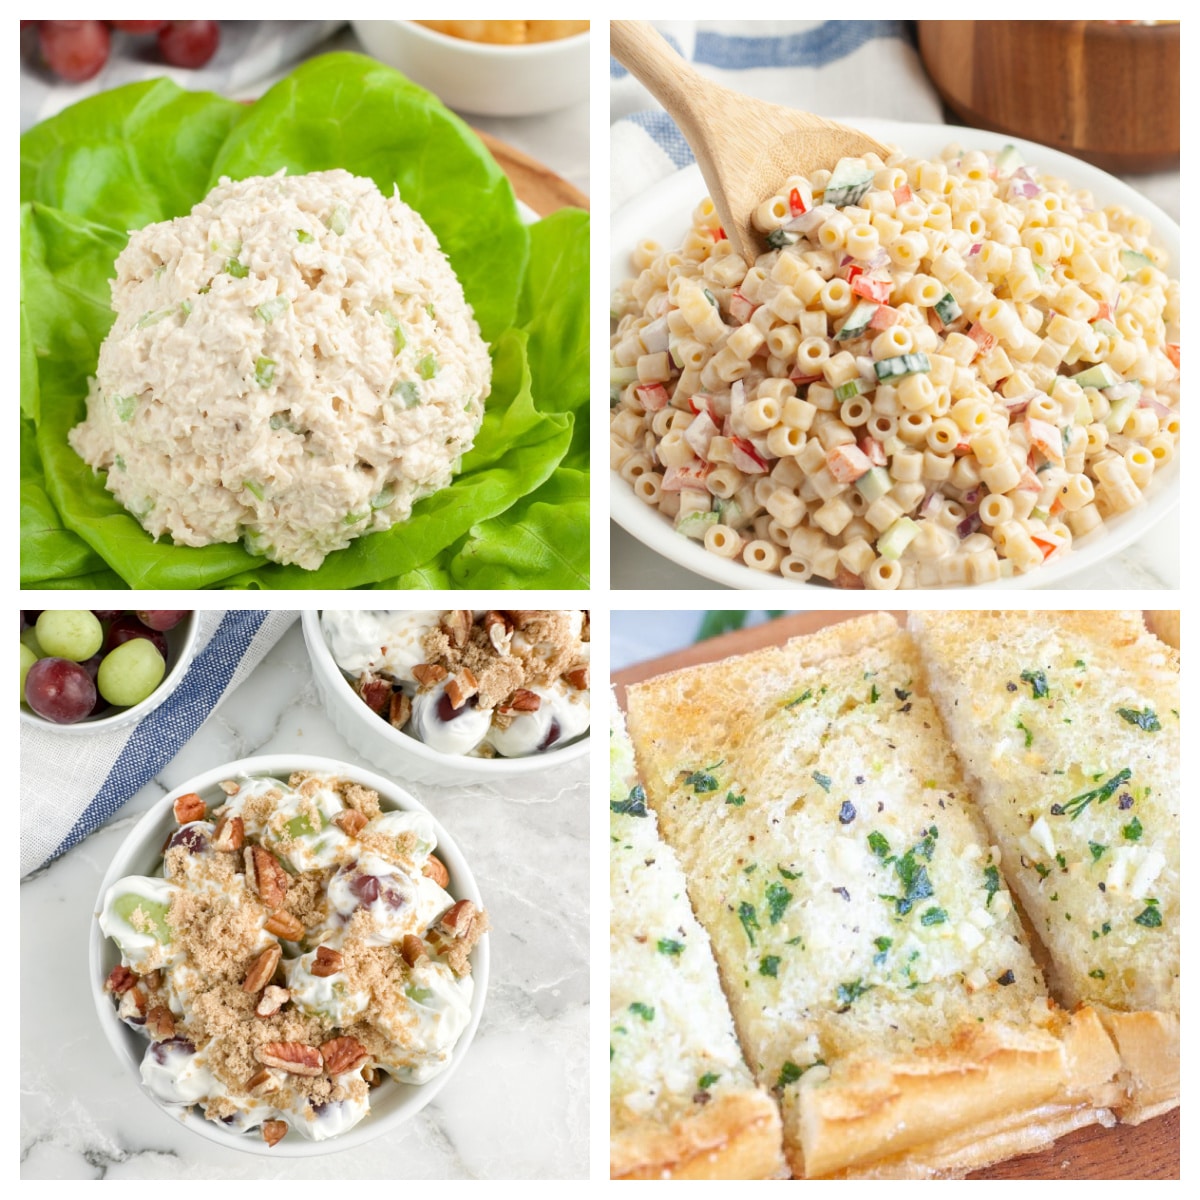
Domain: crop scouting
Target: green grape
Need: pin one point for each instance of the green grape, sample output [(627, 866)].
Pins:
[(28, 658), (29, 640), (130, 673), (73, 634), (156, 912)]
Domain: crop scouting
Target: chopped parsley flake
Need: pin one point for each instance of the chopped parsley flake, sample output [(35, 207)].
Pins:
[(883, 945), (1028, 735), (788, 1073), (1096, 974), (778, 898), (736, 801), (707, 1080), (933, 916), (799, 699), (1077, 804), (878, 843), (1150, 917), (914, 877), (645, 1011), (991, 883), (822, 781), (874, 694), (671, 947), (703, 780), (1036, 681), (847, 993), (1097, 850), (634, 805), (1132, 831), (769, 965), (1145, 718), (790, 874), (748, 916)]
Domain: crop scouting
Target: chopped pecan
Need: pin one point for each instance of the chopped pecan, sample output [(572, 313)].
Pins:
[(522, 700), (160, 1021), (327, 962), (294, 1057), (579, 678), (458, 919), (230, 787), (153, 981), (120, 979), (133, 1004), (274, 1131), (372, 1077), (427, 674), (283, 924), (499, 631), (399, 710), (412, 949), (375, 692), (343, 1054), (350, 821), (266, 876), (262, 1082), (273, 999), (456, 625), (230, 834), (263, 969), (461, 688), (189, 808), (435, 869)]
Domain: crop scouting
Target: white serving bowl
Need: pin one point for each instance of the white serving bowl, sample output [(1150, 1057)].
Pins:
[(395, 751), (392, 1103), (481, 78), (662, 213), (181, 648)]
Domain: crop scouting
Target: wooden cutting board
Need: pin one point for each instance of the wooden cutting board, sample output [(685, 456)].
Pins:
[(1148, 1151), (534, 183)]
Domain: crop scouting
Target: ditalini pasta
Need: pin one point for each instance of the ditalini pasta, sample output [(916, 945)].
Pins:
[(940, 373)]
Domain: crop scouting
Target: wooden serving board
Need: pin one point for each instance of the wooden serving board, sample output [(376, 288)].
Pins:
[(1148, 1151), (534, 183)]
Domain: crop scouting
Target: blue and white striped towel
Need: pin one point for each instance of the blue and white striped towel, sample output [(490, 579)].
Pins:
[(835, 68), (72, 783)]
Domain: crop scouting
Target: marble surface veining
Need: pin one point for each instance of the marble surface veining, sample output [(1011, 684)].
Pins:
[(517, 1107)]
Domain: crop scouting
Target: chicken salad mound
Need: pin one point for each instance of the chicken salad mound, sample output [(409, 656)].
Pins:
[(292, 365)]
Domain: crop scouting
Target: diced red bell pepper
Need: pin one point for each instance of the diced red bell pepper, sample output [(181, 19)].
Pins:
[(719, 234), (1173, 353), (1104, 312), (746, 458), (796, 202), (873, 449), (740, 309), (678, 479), (871, 287), (902, 194), (846, 462), (980, 336), (852, 273), (654, 397), (1045, 546), (884, 317)]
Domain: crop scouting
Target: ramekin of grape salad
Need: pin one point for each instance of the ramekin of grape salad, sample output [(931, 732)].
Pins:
[(288, 952), (941, 372)]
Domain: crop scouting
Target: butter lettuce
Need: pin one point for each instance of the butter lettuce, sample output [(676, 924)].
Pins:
[(149, 152)]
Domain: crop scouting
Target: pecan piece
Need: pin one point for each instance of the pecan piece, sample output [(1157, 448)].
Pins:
[(263, 969), (499, 632), (350, 821), (579, 678), (372, 1077), (266, 876), (399, 710), (283, 924), (412, 949), (343, 1054), (262, 1082), (120, 979), (294, 1057), (427, 674), (160, 1021), (189, 808), (133, 1005), (375, 692), (274, 1131), (153, 981), (230, 834), (327, 962), (461, 688), (435, 869), (458, 919), (456, 625), (522, 700), (273, 999)]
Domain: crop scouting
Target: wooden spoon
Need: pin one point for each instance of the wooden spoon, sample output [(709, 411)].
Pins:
[(746, 148)]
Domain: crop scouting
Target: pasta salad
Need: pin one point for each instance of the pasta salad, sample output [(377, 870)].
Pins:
[(940, 373)]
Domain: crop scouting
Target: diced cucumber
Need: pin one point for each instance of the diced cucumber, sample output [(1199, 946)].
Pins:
[(948, 309), (1133, 261), (875, 483), (696, 524), (778, 238), (894, 540), (858, 321), (729, 513), (1099, 376), (1118, 414), (621, 376), (1107, 328), (888, 370), (849, 183), (1008, 160), (850, 389)]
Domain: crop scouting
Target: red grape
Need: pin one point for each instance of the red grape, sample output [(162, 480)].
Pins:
[(161, 619), (123, 629), (189, 43), (60, 691), (138, 26), (108, 614), (75, 50)]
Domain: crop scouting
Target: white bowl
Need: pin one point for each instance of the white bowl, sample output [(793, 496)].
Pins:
[(394, 751), (181, 648), (662, 213), (392, 1103), (477, 77)]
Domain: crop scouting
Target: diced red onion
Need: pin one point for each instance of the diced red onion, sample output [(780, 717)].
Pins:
[(1155, 406), (968, 525)]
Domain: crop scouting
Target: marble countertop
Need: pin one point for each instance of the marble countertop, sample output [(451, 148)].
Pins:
[(517, 1107)]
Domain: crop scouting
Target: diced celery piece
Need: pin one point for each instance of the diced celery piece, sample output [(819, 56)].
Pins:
[(1099, 376), (849, 389), (888, 370), (1008, 160), (1133, 261), (729, 512), (384, 497), (253, 488), (409, 392), (236, 269), (302, 235), (1107, 328), (264, 372), (694, 525), (1118, 414), (428, 366), (124, 407), (399, 341), (153, 318), (268, 310), (894, 540), (874, 483), (339, 219)]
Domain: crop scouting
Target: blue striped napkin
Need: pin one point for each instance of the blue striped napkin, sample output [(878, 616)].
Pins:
[(71, 783), (835, 68)]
